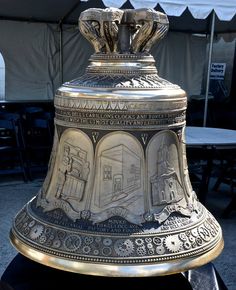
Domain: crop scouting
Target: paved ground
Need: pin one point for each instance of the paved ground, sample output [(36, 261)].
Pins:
[(15, 193)]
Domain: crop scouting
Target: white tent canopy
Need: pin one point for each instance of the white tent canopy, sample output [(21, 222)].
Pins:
[(184, 15), (200, 9), (40, 42)]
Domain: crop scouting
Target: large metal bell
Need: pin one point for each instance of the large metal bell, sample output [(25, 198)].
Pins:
[(117, 199)]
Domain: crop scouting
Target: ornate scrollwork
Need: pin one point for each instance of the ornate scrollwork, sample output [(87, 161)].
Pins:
[(122, 247), (150, 27), (100, 27)]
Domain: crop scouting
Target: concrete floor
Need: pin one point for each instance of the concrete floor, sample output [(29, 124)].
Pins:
[(15, 193)]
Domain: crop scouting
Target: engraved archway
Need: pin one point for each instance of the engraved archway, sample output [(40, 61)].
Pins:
[(119, 178), (166, 190), (72, 175)]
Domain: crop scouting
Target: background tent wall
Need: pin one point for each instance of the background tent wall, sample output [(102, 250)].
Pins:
[(25, 83), (32, 55)]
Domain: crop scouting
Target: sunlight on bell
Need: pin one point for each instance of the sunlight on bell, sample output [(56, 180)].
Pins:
[(117, 199)]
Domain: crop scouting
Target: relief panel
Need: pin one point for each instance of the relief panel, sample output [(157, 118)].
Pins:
[(119, 182), (165, 186), (71, 179)]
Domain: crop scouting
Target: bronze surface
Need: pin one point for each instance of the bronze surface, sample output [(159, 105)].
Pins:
[(117, 199)]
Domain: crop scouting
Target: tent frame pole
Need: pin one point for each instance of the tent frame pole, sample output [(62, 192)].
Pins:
[(61, 55), (209, 67)]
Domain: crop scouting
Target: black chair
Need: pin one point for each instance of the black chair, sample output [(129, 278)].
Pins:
[(38, 141), (199, 171), (38, 137), (31, 110), (195, 113), (12, 147), (227, 176), (49, 116)]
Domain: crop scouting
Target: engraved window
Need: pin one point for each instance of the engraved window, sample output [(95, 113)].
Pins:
[(132, 169), (107, 172), (135, 170)]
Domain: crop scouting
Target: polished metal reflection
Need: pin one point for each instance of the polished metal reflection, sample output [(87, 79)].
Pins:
[(117, 199)]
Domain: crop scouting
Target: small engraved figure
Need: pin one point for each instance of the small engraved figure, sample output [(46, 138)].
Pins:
[(63, 170), (73, 173), (118, 192), (86, 170)]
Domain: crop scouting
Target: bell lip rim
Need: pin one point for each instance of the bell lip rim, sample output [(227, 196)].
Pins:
[(111, 270)]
